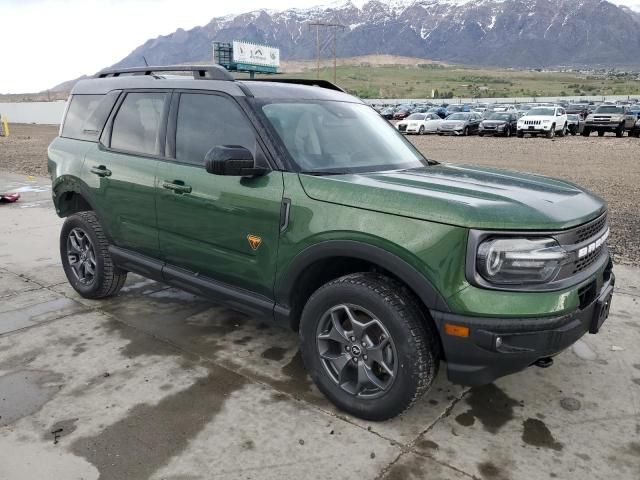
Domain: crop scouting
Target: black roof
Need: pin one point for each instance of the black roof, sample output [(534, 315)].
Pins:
[(210, 77)]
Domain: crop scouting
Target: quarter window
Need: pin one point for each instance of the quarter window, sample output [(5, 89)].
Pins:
[(87, 115), (206, 121), (136, 126)]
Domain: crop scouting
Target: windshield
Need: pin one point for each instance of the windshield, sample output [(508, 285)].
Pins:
[(573, 118), (609, 109), (416, 116), (546, 112), (339, 137), (497, 116), (458, 116)]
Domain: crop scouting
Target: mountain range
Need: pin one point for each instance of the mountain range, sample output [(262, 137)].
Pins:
[(512, 33)]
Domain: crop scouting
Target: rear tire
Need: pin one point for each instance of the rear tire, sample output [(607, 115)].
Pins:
[(86, 260), (398, 339), (465, 131)]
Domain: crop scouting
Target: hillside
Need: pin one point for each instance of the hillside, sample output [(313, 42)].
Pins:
[(512, 33)]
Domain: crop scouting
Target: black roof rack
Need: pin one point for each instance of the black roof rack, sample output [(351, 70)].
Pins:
[(203, 72), (300, 81)]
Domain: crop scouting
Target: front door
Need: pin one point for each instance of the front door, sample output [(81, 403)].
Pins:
[(220, 227)]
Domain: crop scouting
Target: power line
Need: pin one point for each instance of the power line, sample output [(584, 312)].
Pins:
[(333, 27)]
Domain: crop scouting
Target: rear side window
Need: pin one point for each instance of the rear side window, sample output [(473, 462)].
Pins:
[(205, 121), (136, 126), (87, 115)]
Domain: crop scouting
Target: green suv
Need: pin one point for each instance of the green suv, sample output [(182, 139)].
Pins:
[(294, 201)]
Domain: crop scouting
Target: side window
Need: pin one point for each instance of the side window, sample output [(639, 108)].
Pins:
[(87, 115), (205, 121), (137, 123)]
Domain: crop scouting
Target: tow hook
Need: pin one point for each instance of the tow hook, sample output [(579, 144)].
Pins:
[(545, 362)]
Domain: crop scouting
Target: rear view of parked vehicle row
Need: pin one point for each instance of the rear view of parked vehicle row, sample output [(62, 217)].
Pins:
[(296, 202)]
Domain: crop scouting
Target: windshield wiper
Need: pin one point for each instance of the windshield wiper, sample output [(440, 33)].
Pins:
[(320, 173)]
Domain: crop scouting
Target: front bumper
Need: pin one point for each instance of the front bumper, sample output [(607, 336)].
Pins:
[(534, 128), (497, 347), (611, 127)]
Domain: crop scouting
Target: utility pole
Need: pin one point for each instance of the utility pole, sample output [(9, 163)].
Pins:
[(332, 27)]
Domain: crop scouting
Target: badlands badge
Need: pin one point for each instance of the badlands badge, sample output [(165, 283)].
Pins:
[(254, 241)]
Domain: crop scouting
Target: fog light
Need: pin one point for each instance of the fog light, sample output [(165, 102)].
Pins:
[(498, 342)]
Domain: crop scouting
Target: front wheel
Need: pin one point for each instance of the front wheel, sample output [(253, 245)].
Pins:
[(86, 260), (465, 131), (601, 133), (368, 346), (507, 132), (620, 131), (586, 132), (563, 132), (421, 130), (519, 134), (552, 131)]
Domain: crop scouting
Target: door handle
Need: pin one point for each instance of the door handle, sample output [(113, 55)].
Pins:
[(101, 171), (176, 187)]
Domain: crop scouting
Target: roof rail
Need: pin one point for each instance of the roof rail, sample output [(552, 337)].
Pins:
[(300, 81), (200, 72)]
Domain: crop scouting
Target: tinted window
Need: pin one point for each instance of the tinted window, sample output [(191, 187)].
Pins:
[(205, 121), (137, 123), (87, 115), (609, 109)]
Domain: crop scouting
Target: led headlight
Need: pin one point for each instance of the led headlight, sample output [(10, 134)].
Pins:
[(517, 261)]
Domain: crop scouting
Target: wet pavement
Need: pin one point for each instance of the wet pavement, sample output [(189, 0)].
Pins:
[(157, 383)]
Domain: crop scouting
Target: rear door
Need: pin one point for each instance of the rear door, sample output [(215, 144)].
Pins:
[(121, 171), (221, 227)]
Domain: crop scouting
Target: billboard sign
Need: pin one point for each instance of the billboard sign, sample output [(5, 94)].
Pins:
[(253, 54)]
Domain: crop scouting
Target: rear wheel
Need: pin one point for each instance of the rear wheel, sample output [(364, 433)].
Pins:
[(368, 346), (86, 259)]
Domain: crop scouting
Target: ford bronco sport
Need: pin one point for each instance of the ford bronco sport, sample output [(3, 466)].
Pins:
[(293, 200)]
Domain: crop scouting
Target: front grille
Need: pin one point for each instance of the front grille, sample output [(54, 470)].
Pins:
[(590, 229), (586, 262), (532, 122)]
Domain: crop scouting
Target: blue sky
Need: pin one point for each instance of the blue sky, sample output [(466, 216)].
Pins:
[(68, 38)]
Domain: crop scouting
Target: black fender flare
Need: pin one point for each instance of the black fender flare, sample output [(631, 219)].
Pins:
[(390, 262)]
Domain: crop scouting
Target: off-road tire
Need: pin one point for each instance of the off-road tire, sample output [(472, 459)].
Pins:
[(108, 278), (413, 334)]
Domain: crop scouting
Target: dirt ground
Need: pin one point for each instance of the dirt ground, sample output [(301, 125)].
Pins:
[(608, 166)]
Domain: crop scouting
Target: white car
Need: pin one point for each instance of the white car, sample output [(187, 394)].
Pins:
[(547, 121), (419, 123)]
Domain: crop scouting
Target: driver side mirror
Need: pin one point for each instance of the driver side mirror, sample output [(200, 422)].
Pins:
[(232, 160)]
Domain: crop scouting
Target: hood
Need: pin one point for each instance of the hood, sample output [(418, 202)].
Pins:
[(463, 195), (537, 117)]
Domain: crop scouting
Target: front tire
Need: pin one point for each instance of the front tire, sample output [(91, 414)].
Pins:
[(421, 130), (368, 346), (552, 131), (86, 260), (601, 133)]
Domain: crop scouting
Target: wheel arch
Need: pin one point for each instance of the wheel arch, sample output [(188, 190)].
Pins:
[(331, 259)]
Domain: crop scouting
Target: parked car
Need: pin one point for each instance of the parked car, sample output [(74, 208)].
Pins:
[(419, 123), (498, 123), (301, 206), (402, 113), (635, 130), (547, 121), (575, 123), (581, 109), (387, 113), (440, 111), (609, 118), (461, 123)]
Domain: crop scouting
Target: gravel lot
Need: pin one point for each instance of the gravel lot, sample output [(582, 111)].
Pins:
[(609, 166)]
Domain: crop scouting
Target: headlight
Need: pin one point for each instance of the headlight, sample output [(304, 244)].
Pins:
[(589, 117), (546, 121), (517, 261)]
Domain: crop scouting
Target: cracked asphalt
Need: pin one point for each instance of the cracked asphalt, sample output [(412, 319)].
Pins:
[(159, 384)]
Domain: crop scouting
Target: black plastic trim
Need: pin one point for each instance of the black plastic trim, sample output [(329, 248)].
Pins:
[(219, 292), (286, 287)]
